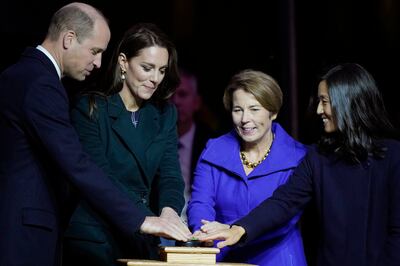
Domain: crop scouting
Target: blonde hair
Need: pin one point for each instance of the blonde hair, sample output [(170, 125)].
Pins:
[(264, 88)]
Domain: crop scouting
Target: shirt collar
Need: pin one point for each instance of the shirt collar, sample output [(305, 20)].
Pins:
[(41, 48)]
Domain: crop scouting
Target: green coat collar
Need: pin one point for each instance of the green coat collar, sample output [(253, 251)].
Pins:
[(146, 130)]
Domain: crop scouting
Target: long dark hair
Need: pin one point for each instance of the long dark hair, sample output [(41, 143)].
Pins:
[(359, 113), (138, 37)]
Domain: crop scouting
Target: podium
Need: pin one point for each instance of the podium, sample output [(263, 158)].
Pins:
[(184, 256), (193, 255), (129, 262)]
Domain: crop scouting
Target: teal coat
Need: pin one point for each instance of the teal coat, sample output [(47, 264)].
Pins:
[(142, 161)]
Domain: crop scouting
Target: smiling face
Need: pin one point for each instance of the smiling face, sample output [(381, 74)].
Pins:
[(324, 109), (144, 72), (251, 120), (82, 56)]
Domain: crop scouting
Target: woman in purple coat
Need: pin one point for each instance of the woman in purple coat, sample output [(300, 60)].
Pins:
[(352, 175), (240, 169)]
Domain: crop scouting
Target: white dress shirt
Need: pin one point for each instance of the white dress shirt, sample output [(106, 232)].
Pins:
[(41, 48), (185, 160)]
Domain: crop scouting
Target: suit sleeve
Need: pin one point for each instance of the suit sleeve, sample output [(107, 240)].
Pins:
[(47, 116), (287, 201), (391, 254), (202, 202), (170, 181), (280, 231), (88, 129)]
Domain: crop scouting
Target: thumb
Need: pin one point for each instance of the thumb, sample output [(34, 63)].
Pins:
[(223, 244)]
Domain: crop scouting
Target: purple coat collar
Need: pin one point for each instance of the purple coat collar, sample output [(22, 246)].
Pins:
[(223, 152)]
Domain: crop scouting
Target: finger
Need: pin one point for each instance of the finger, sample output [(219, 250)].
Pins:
[(204, 228), (204, 221), (209, 229), (178, 235), (172, 233), (184, 229), (223, 244), (196, 233), (179, 231), (220, 235), (208, 225), (213, 227), (178, 226), (161, 227)]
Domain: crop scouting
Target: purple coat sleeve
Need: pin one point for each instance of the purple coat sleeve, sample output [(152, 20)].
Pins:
[(201, 204)]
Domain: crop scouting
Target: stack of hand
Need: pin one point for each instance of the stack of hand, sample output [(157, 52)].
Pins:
[(210, 231), (170, 225)]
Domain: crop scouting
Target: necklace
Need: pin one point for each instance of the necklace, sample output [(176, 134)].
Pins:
[(134, 119), (253, 165)]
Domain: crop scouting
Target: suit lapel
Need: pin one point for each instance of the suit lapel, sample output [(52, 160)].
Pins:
[(137, 140)]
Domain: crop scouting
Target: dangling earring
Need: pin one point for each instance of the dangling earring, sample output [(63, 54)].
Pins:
[(123, 75)]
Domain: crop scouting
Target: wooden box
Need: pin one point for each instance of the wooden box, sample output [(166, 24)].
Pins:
[(189, 255)]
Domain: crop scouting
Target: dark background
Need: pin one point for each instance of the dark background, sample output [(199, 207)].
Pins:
[(294, 41)]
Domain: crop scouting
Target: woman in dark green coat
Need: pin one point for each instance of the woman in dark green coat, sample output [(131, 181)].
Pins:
[(130, 131)]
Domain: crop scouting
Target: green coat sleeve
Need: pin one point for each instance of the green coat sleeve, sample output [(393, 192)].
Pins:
[(169, 180)]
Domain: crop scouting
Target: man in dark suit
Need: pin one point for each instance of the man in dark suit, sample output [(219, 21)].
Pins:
[(193, 134), (41, 159)]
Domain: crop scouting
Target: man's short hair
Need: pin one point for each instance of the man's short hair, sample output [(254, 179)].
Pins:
[(72, 17)]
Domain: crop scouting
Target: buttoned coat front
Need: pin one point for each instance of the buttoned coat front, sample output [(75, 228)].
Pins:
[(142, 160), (223, 192)]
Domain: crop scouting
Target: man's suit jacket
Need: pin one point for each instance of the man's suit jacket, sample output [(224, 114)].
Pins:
[(41, 161), (142, 160)]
